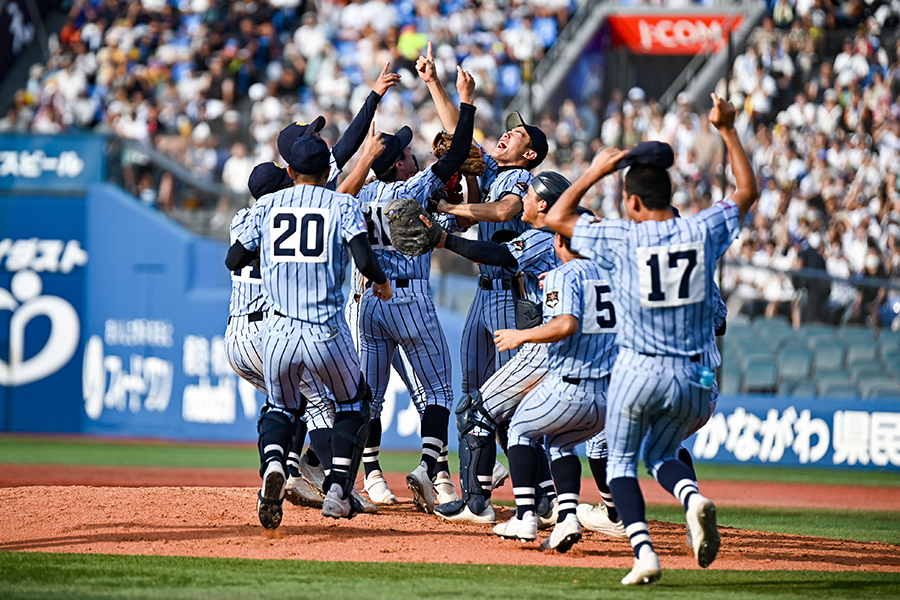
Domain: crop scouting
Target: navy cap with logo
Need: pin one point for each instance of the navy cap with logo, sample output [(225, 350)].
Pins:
[(266, 178), (309, 155), (654, 154), (538, 138), (296, 130), (393, 146)]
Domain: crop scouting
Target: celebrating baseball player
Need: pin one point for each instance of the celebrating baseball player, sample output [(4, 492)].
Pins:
[(662, 269), (480, 414), (409, 320), (569, 405), (303, 234), (503, 185)]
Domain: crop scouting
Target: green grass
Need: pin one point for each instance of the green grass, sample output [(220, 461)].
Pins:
[(75, 576), (112, 452)]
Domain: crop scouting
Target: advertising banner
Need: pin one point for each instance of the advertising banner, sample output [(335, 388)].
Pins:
[(805, 432), (48, 163), (672, 33)]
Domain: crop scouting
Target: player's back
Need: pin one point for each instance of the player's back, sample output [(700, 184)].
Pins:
[(304, 254), (581, 288), (662, 274), (246, 284)]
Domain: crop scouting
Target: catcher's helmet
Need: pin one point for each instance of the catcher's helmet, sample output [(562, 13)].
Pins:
[(549, 186)]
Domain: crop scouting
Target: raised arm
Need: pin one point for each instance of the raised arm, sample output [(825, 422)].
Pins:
[(356, 132), (722, 117), (494, 212), (562, 217), (357, 178), (456, 155), (447, 111)]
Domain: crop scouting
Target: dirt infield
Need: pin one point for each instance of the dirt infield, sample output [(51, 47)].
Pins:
[(125, 512)]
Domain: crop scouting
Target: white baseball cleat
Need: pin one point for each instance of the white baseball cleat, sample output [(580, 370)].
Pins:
[(315, 475), (499, 475), (645, 570), (488, 515), (336, 507), (703, 531), (423, 490), (444, 488), (596, 518), (300, 492), (564, 535), (524, 529), (367, 507), (271, 496), (548, 519), (377, 489)]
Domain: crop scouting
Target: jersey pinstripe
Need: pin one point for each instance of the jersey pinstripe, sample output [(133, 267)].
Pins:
[(246, 284), (579, 288), (534, 253), (303, 231), (373, 198), (662, 272), (496, 183)]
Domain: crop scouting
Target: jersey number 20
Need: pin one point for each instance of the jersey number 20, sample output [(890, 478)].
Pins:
[(298, 234), (672, 275)]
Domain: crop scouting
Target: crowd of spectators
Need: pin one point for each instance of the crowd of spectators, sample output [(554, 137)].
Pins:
[(211, 83)]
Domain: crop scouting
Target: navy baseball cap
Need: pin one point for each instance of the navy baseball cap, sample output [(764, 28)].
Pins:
[(538, 138), (266, 178), (393, 146), (296, 130), (309, 155), (654, 154)]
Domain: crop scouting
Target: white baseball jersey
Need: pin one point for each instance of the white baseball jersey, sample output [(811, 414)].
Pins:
[(304, 232)]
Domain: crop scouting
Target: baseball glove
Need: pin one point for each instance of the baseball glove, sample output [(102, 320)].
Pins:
[(408, 233), (474, 165)]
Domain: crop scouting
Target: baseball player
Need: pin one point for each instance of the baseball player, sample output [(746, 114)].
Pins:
[(479, 415), (604, 517), (410, 320), (303, 234), (568, 407), (662, 270), (503, 185), (243, 336)]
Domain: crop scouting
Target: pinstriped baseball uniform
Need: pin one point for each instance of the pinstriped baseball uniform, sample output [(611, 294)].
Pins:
[(662, 272), (492, 308), (303, 233), (409, 319), (566, 412), (504, 390), (596, 446)]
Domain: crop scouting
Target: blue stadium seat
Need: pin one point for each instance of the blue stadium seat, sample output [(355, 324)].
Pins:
[(795, 364), (869, 385), (859, 350), (828, 355), (798, 389), (855, 333), (760, 374), (863, 371), (807, 331), (889, 340), (844, 389), (729, 379), (887, 391), (737, 320)]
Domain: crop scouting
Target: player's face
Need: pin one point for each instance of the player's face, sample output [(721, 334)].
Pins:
[(407, 165), (514, 147), (530, 206)]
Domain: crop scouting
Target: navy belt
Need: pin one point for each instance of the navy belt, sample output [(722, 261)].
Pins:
[(572, 380), (251, 318), (487, 283), (694, 358), (399, 283)]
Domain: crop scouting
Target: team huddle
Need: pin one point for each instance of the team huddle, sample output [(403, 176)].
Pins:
[(581, 329)]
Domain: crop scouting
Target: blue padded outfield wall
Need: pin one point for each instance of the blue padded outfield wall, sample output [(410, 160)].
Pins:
[(112, 317)]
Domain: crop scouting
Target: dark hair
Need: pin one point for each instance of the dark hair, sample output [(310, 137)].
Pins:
[(651, 184), (312, 177), (390, 175)]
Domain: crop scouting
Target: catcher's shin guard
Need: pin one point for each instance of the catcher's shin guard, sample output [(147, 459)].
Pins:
[(275, 432), (351, 428), (476, 452)]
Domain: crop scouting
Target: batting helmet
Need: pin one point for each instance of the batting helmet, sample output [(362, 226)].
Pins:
[(549, 186)]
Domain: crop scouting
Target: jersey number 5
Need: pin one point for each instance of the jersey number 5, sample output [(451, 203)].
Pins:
[(599, 311), (672, 275), (298, 234)]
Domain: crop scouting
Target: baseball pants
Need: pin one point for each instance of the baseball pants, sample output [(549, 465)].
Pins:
[(491, 310)]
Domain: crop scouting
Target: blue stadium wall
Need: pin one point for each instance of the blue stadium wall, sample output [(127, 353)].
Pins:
[(112, 317)]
